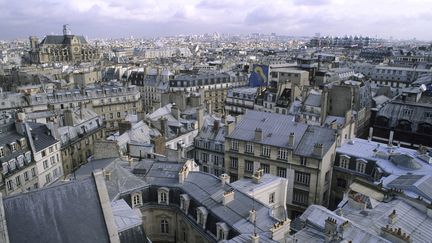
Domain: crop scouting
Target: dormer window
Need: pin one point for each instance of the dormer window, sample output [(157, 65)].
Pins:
[(12, 164), (202, 216), (344, 161), (184, 202), (20, 160), (136, 199), (28, 156), (5, 167), (361, 165), (222, 231), (13, 146), (163, 195), (23, 143)]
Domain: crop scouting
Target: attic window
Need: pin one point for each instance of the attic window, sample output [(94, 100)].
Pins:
[(1, 152), (13, 146), (136, 199)]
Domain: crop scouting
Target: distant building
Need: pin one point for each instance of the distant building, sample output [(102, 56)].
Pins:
[(62, 48), (240, 99)]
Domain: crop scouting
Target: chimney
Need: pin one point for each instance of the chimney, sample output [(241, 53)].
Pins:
[(229, 128), (395, 235), (255, 238), (228, 197), (20, 124), (175, 111), (370, 134), (225, 178), (330, 226), (124, 126), (291, 140), (343, 227), (200, 117), (318, 149), (216, 125), (68, 117), (252, 216), (390, 142), (107, 175), (4, 236), (258, 134), (392, 217), (163, 126), (256, 177)]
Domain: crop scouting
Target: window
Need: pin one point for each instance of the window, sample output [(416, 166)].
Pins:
[(9, 185), (18, 180), (300, 197), (118, 115), (13, 146), (51, 149), (136, 199), (272, 197), (249, 166), (303, 161), (48, 178), (234, 145), (265, 151), (26, 176), (1, 152), (302, 178), (45, 164), (164, 226), (283, 154), (344, 161), (216, 160), (249, 148), (43, 153), (265, 168), (361, 166), (204, 157), (184, 234), (234, 162), (52, 159), (33, 172), (281, 172)]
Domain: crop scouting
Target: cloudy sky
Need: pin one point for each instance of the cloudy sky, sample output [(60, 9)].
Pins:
[(148, 18)]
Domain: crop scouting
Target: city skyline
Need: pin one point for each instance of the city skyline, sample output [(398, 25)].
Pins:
[(110, 19)]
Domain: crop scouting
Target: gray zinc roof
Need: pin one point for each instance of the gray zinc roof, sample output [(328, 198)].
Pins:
[(70, 212)]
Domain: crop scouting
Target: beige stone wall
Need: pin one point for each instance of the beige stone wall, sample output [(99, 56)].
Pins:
[(179, 226)]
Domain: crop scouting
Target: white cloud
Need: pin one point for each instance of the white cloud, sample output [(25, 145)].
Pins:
[(385, 18)]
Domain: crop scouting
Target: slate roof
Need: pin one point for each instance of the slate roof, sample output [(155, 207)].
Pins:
[(208, 190), (41, 136), (61, 39), (421, 185), (68, 213), (315, 216), (415, 223), (276, 129), (313, 100)]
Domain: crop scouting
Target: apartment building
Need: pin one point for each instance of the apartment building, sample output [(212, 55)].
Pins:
[(111, 101), (215, 86), (280, 146)]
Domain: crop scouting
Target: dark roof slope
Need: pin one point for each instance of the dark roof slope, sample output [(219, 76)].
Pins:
[(67, 213)]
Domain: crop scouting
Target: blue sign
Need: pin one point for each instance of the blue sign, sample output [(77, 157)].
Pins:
[(259, 76)]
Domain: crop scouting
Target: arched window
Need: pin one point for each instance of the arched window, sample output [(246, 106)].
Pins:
[(424, 128), (136, 199), (382, 121), (404, 125), (163, 195), (164, 226)]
